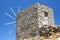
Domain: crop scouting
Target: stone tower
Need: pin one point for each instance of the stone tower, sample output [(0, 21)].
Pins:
[(32, 18)]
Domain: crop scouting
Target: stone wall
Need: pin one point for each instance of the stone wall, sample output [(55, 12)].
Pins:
[(30, 20)]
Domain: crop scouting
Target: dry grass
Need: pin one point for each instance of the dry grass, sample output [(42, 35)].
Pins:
[(41, 38), (56, 36)]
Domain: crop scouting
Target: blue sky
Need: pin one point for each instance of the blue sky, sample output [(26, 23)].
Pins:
[(23, 4)]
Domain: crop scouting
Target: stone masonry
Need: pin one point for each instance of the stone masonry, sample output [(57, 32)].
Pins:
[(31, 19)]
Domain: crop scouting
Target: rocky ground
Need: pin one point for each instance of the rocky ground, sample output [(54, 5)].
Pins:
[(44, 33)]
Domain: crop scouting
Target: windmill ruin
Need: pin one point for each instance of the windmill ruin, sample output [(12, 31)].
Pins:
[(30, 21)]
